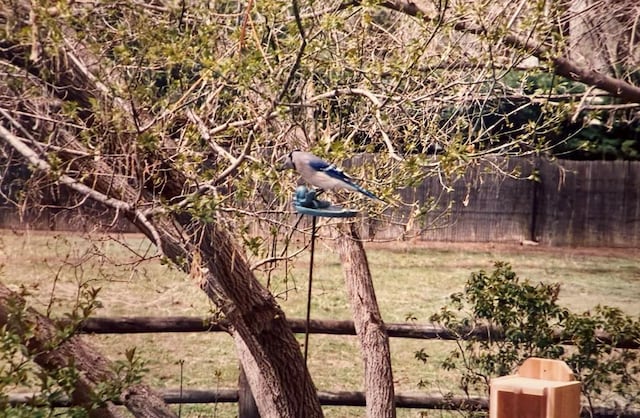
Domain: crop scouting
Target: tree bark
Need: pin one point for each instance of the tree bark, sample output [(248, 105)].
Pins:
[(37, 332), (374, 341), (265, 344), (267, 348), (247, 407)]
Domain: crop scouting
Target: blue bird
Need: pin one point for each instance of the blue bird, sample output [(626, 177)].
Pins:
[(322, 174)]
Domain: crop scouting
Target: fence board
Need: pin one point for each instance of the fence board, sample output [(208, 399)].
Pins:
[(576, 203), (631, 206), (594, 204), (484, 207)]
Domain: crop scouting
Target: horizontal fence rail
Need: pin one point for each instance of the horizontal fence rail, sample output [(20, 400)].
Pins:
[(147, 324), (343, 398), (179, 324)]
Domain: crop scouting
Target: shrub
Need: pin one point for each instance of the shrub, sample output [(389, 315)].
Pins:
[(20, 373), (519, 319)]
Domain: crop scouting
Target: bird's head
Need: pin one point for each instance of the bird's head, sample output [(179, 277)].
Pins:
[(286, 162)]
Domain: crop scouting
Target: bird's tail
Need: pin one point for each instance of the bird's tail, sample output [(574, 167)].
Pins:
[(367, 193)]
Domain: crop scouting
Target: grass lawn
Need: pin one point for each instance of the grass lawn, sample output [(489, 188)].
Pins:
[(412, 281)]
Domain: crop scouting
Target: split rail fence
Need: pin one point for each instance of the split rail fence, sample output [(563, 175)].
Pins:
[(137, 325)]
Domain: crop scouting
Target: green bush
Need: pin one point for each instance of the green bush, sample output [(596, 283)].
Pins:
[(20, 373), (502, 320)]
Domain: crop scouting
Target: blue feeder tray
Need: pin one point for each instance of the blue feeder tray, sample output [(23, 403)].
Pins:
[(306, 203)]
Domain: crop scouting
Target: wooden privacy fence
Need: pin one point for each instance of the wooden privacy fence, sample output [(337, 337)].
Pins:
[(565, 202), (134, 325), (576, 203)]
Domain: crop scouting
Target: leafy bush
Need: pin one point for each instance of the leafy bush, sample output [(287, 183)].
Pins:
[(20, 373), (502, 320)]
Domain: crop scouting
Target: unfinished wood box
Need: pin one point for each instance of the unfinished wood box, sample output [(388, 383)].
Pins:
[(541, 388)]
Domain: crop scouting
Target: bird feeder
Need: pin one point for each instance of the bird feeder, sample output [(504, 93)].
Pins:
[(306, 202), (542, 388)]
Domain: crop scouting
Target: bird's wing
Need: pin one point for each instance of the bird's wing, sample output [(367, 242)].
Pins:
[(318, 164), (331, 170)]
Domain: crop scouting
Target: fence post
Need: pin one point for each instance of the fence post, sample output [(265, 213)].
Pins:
[(247, 407)]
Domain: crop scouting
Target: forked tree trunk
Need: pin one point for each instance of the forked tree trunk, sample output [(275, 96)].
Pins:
[(269, 353), (37, 332), (266, 346), (374, 341)]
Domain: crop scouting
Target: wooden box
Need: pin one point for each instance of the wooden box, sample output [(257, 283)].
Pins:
[(541, 388)]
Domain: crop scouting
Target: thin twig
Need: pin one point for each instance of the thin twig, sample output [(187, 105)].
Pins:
[(274, 259), (586, 95), (376, 103)]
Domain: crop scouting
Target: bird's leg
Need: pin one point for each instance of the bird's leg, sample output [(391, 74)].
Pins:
[(319, 204)]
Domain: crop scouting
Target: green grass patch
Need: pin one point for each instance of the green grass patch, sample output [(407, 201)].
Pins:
[(412, 282)]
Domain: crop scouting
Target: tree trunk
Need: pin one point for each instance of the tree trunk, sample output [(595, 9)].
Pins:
[(265, 344), (37, 332), (247, 407), (374, 341)]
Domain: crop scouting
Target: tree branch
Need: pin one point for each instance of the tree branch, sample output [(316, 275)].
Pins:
[(563, 66), (376, 113), (93, 369), (19, 144)]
